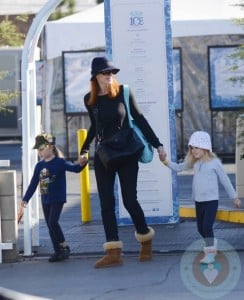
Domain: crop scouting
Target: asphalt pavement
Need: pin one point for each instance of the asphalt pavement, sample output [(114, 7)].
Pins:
[(162, 278)]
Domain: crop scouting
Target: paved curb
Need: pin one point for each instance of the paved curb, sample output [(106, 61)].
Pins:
[(226, 215)]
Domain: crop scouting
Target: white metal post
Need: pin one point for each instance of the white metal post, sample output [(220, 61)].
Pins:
[(29, 114)]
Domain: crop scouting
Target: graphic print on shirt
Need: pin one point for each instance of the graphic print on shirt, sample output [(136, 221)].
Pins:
[(45, 180)]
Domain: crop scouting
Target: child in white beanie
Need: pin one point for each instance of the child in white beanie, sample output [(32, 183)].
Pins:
[(207, 171)]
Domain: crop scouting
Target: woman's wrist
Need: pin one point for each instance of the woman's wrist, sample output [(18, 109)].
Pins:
[(160, 148), (85, 151)]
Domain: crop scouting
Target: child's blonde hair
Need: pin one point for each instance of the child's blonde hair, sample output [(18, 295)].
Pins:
[(57, 152), (190, 159)]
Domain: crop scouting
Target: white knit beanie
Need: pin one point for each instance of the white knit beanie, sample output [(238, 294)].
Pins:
[(201, 139)]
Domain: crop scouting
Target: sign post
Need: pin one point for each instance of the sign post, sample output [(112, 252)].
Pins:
[(138, 41)]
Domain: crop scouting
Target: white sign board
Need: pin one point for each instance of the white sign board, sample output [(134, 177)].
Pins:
[(138, 40)]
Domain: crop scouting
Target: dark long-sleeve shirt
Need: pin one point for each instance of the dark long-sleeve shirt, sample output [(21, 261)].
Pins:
[(109, 115), (52, 179)]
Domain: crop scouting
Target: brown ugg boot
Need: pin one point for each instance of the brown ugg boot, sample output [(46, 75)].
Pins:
[(146, 244), (113, 255)]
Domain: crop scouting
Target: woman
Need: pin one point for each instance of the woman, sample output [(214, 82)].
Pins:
[(107, 112)]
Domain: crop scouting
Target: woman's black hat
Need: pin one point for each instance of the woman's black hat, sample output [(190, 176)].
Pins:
[(102, 64)]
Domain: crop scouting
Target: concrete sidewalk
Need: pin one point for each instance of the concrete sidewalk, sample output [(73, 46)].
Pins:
[(88, 238), (162, 278)]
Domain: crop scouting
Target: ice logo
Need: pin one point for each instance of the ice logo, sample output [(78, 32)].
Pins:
[(210, 281), (136, 18)]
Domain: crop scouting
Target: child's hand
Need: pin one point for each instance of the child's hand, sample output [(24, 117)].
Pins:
[(83, 159), (21, 210), (237, 203)]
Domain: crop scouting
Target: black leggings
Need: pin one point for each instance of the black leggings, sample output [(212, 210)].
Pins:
[(128, 182), (52, 214), (206, 213)]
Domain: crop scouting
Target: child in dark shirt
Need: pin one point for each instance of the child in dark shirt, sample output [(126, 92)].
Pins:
[(50, 173)]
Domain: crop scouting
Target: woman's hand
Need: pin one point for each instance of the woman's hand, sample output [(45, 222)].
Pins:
[(161, 153)]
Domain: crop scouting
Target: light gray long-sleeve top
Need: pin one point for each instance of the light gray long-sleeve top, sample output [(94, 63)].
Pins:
[(205, 179)]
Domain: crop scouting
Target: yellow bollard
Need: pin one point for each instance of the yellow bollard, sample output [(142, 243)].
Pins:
[(84, 182)]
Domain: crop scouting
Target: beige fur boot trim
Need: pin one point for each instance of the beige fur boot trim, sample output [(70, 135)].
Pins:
[(112, 256), (145, 237), (146, 244)]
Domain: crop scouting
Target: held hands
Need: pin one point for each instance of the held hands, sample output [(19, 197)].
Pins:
[(237, 202), (161, 153), (83, 159)]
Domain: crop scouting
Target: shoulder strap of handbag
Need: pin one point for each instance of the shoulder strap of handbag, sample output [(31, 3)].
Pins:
[(95, 113), (127, 105)]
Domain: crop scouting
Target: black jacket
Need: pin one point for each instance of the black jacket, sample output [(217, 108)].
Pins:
[(109, 115)]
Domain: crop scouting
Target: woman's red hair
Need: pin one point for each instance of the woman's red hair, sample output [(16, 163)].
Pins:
[(113, 91)]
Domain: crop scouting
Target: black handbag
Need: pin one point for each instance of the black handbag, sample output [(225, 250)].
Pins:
[(122, 147)]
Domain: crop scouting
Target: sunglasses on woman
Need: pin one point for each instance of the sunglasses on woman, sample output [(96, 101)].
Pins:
[(104, 73)]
